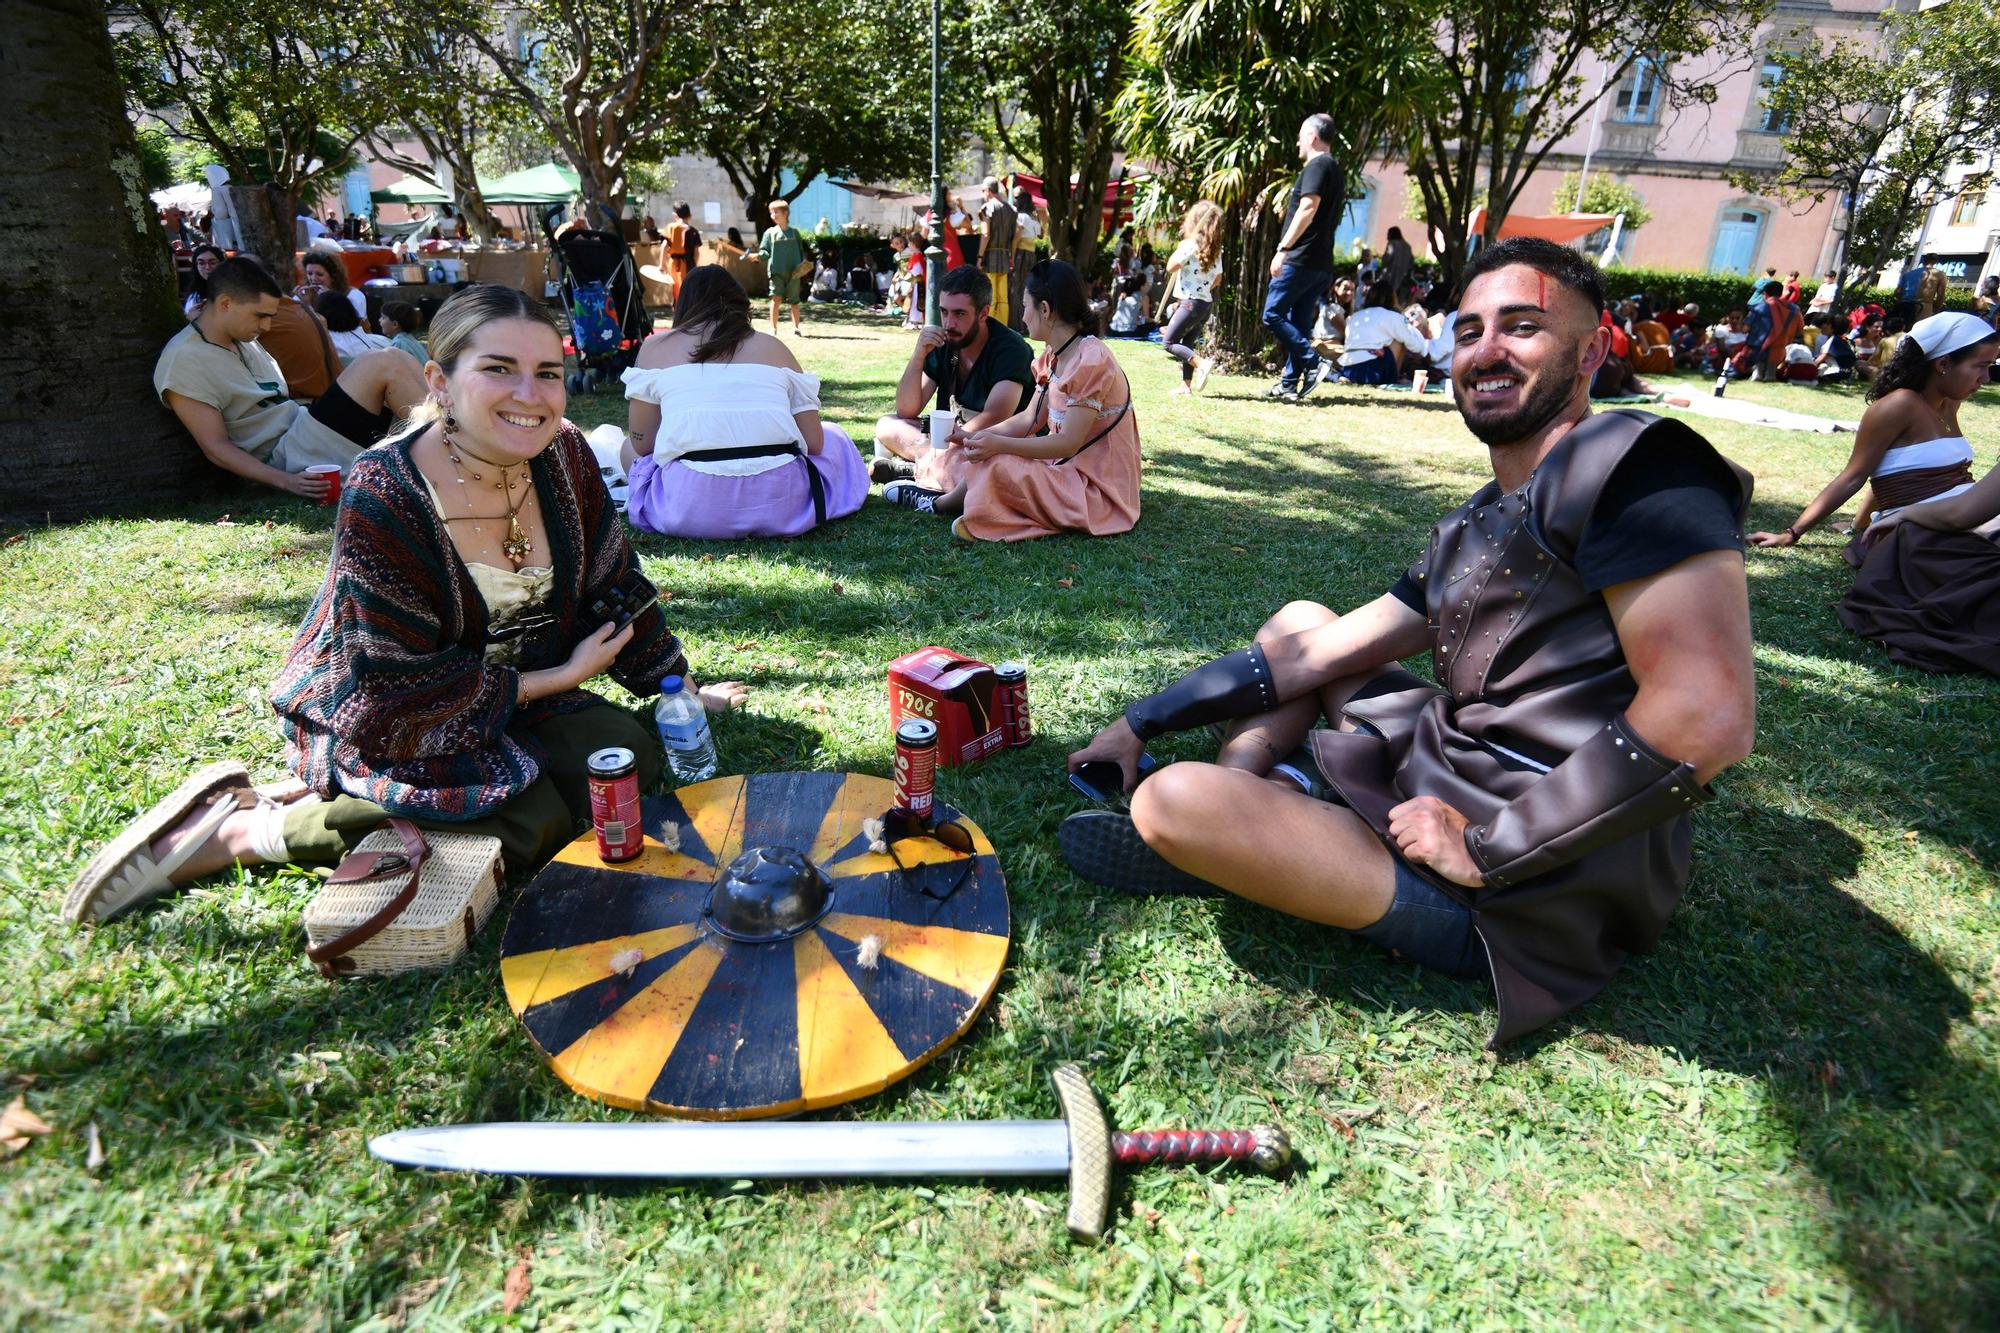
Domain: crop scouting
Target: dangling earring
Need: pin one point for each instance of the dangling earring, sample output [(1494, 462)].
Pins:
[(448, 429)]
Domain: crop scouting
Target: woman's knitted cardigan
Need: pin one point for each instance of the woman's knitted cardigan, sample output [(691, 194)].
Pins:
[(386, 693)]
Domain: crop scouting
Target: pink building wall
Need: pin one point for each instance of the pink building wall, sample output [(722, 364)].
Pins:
[(1679, 164)]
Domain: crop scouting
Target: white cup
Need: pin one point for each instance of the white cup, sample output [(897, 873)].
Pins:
[(941, 424), (1420, 381)]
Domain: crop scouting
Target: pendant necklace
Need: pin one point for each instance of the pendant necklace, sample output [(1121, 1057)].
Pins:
[(516, 547)]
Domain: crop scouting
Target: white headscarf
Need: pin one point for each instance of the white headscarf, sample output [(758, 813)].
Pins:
[(1952, 331)]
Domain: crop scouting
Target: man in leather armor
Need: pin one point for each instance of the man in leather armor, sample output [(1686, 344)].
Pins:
[(1525, 816)]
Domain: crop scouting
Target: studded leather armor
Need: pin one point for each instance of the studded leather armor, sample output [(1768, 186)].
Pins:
[(1581, 828)]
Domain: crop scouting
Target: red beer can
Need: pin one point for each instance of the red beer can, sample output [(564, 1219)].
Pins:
[(614, 804), (1010, 696), (916, 767)]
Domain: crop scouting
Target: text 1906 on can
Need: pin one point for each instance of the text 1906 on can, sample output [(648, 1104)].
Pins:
[(614, 804), (1010, 697), (916, 766)]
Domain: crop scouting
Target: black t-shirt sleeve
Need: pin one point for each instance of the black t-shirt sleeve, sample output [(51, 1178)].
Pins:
[(1410, 593), (1667, 500), (1321, 177)]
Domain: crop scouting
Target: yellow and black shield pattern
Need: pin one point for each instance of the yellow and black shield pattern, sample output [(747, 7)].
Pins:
[(636, 1001)]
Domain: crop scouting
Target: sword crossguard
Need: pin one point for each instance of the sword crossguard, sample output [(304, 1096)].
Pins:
[(1093, 1148), (1266, 1147)]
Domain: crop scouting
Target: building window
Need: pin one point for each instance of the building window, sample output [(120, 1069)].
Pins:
[(1767, 120), (1637, 101), (1965, 210)]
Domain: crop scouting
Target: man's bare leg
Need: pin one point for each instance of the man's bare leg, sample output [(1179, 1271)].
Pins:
[(1261, 838), (385, 379), (1253, 744), (1271, 845), (903, 437)]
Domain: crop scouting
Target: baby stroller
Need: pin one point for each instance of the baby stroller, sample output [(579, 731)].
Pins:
[(606, 306)]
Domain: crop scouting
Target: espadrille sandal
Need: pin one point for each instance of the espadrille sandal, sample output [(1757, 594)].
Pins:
[(124, 874)]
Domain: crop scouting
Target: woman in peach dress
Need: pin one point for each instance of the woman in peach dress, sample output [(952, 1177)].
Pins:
[(1068, 462)]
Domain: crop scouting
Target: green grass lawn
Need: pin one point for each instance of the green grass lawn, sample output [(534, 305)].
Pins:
[(1787, 1116)]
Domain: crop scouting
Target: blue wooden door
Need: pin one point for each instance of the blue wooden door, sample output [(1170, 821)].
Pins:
[(1736, 238)]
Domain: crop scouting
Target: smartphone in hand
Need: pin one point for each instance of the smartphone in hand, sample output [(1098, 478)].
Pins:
[(622, 603), (1104, 782)]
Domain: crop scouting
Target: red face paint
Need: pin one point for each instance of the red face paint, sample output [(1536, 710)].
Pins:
[(1542, 289)]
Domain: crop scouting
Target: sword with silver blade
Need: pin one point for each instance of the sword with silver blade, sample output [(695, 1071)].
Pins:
[(1080, 1144)]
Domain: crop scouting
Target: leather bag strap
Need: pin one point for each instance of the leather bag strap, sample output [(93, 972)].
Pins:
[(359, 867)]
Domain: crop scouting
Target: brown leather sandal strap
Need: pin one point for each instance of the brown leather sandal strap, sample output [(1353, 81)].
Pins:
[(329, 957)]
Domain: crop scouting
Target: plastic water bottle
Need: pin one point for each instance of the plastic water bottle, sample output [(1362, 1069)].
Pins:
[(684, 731)]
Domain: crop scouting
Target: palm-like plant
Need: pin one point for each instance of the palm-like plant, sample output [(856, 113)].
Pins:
[(1214, 102)]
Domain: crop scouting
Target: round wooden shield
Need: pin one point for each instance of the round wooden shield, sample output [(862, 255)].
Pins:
[(639, 996)]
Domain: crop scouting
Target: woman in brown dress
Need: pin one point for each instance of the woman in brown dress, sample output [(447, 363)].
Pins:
[(1929, 591)]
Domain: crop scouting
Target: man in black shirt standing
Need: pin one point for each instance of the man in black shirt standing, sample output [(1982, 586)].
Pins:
[(1302, 269), (1524, 815)]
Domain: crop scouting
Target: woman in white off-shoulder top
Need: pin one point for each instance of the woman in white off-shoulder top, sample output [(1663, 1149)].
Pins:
[(724, 436)]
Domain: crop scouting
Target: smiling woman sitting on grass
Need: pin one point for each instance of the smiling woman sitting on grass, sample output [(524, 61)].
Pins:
[(1069, 461), (438, 674)]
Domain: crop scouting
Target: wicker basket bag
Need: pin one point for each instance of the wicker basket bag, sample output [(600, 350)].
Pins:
[(403, 899)]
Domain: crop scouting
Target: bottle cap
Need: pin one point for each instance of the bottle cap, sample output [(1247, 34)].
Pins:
[(671, 685)]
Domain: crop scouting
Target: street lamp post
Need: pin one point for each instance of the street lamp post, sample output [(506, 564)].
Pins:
[(934, 252)]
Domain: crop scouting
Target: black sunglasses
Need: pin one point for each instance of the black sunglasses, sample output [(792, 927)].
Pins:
[(953, 836)]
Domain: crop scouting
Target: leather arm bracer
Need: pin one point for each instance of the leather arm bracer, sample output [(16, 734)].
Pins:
[(1237, 685), (1613, 786)]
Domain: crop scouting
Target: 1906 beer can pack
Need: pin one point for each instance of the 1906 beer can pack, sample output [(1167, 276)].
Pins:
[(957, 694)]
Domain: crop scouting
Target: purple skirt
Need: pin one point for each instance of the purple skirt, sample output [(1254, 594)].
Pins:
[(677, 501)]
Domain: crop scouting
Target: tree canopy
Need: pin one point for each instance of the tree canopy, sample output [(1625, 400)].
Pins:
[(1219, 88), (1885, 125), (1511, 88), (1065, 65), (859, 106)]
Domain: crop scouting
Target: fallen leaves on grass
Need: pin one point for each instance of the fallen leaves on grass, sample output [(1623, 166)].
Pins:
[(125, 679), (1346, 1130), (816, 704), (409, 1299), (837, 590), (93, 1155), (1065, 583), (233, 710), (18, 1124), (515, 1289)]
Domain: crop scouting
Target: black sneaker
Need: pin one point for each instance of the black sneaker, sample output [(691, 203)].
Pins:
[(888, 468), (1105, 848), (1282, 392), (1313, 377), (911, 496)]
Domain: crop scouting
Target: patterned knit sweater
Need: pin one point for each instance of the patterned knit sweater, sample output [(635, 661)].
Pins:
[(386, 693)]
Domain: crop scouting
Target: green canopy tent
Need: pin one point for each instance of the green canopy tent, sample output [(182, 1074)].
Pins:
[(409, 190), (550, 183)]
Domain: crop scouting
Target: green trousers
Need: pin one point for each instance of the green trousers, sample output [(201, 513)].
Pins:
[(532, 827)]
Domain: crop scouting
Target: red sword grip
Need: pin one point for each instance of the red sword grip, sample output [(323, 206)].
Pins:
[(1264, 1147)]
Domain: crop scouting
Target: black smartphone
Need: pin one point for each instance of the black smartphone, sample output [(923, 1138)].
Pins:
[(1104, 782), (622, 603)]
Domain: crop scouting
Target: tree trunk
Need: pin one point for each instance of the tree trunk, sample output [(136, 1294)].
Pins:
[(84, 261), (270, 229)]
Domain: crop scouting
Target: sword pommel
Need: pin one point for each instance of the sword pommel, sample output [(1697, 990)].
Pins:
[(1089, 1154)]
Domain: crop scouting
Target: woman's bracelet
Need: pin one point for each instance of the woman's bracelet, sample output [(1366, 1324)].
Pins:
[(1794, 534)]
